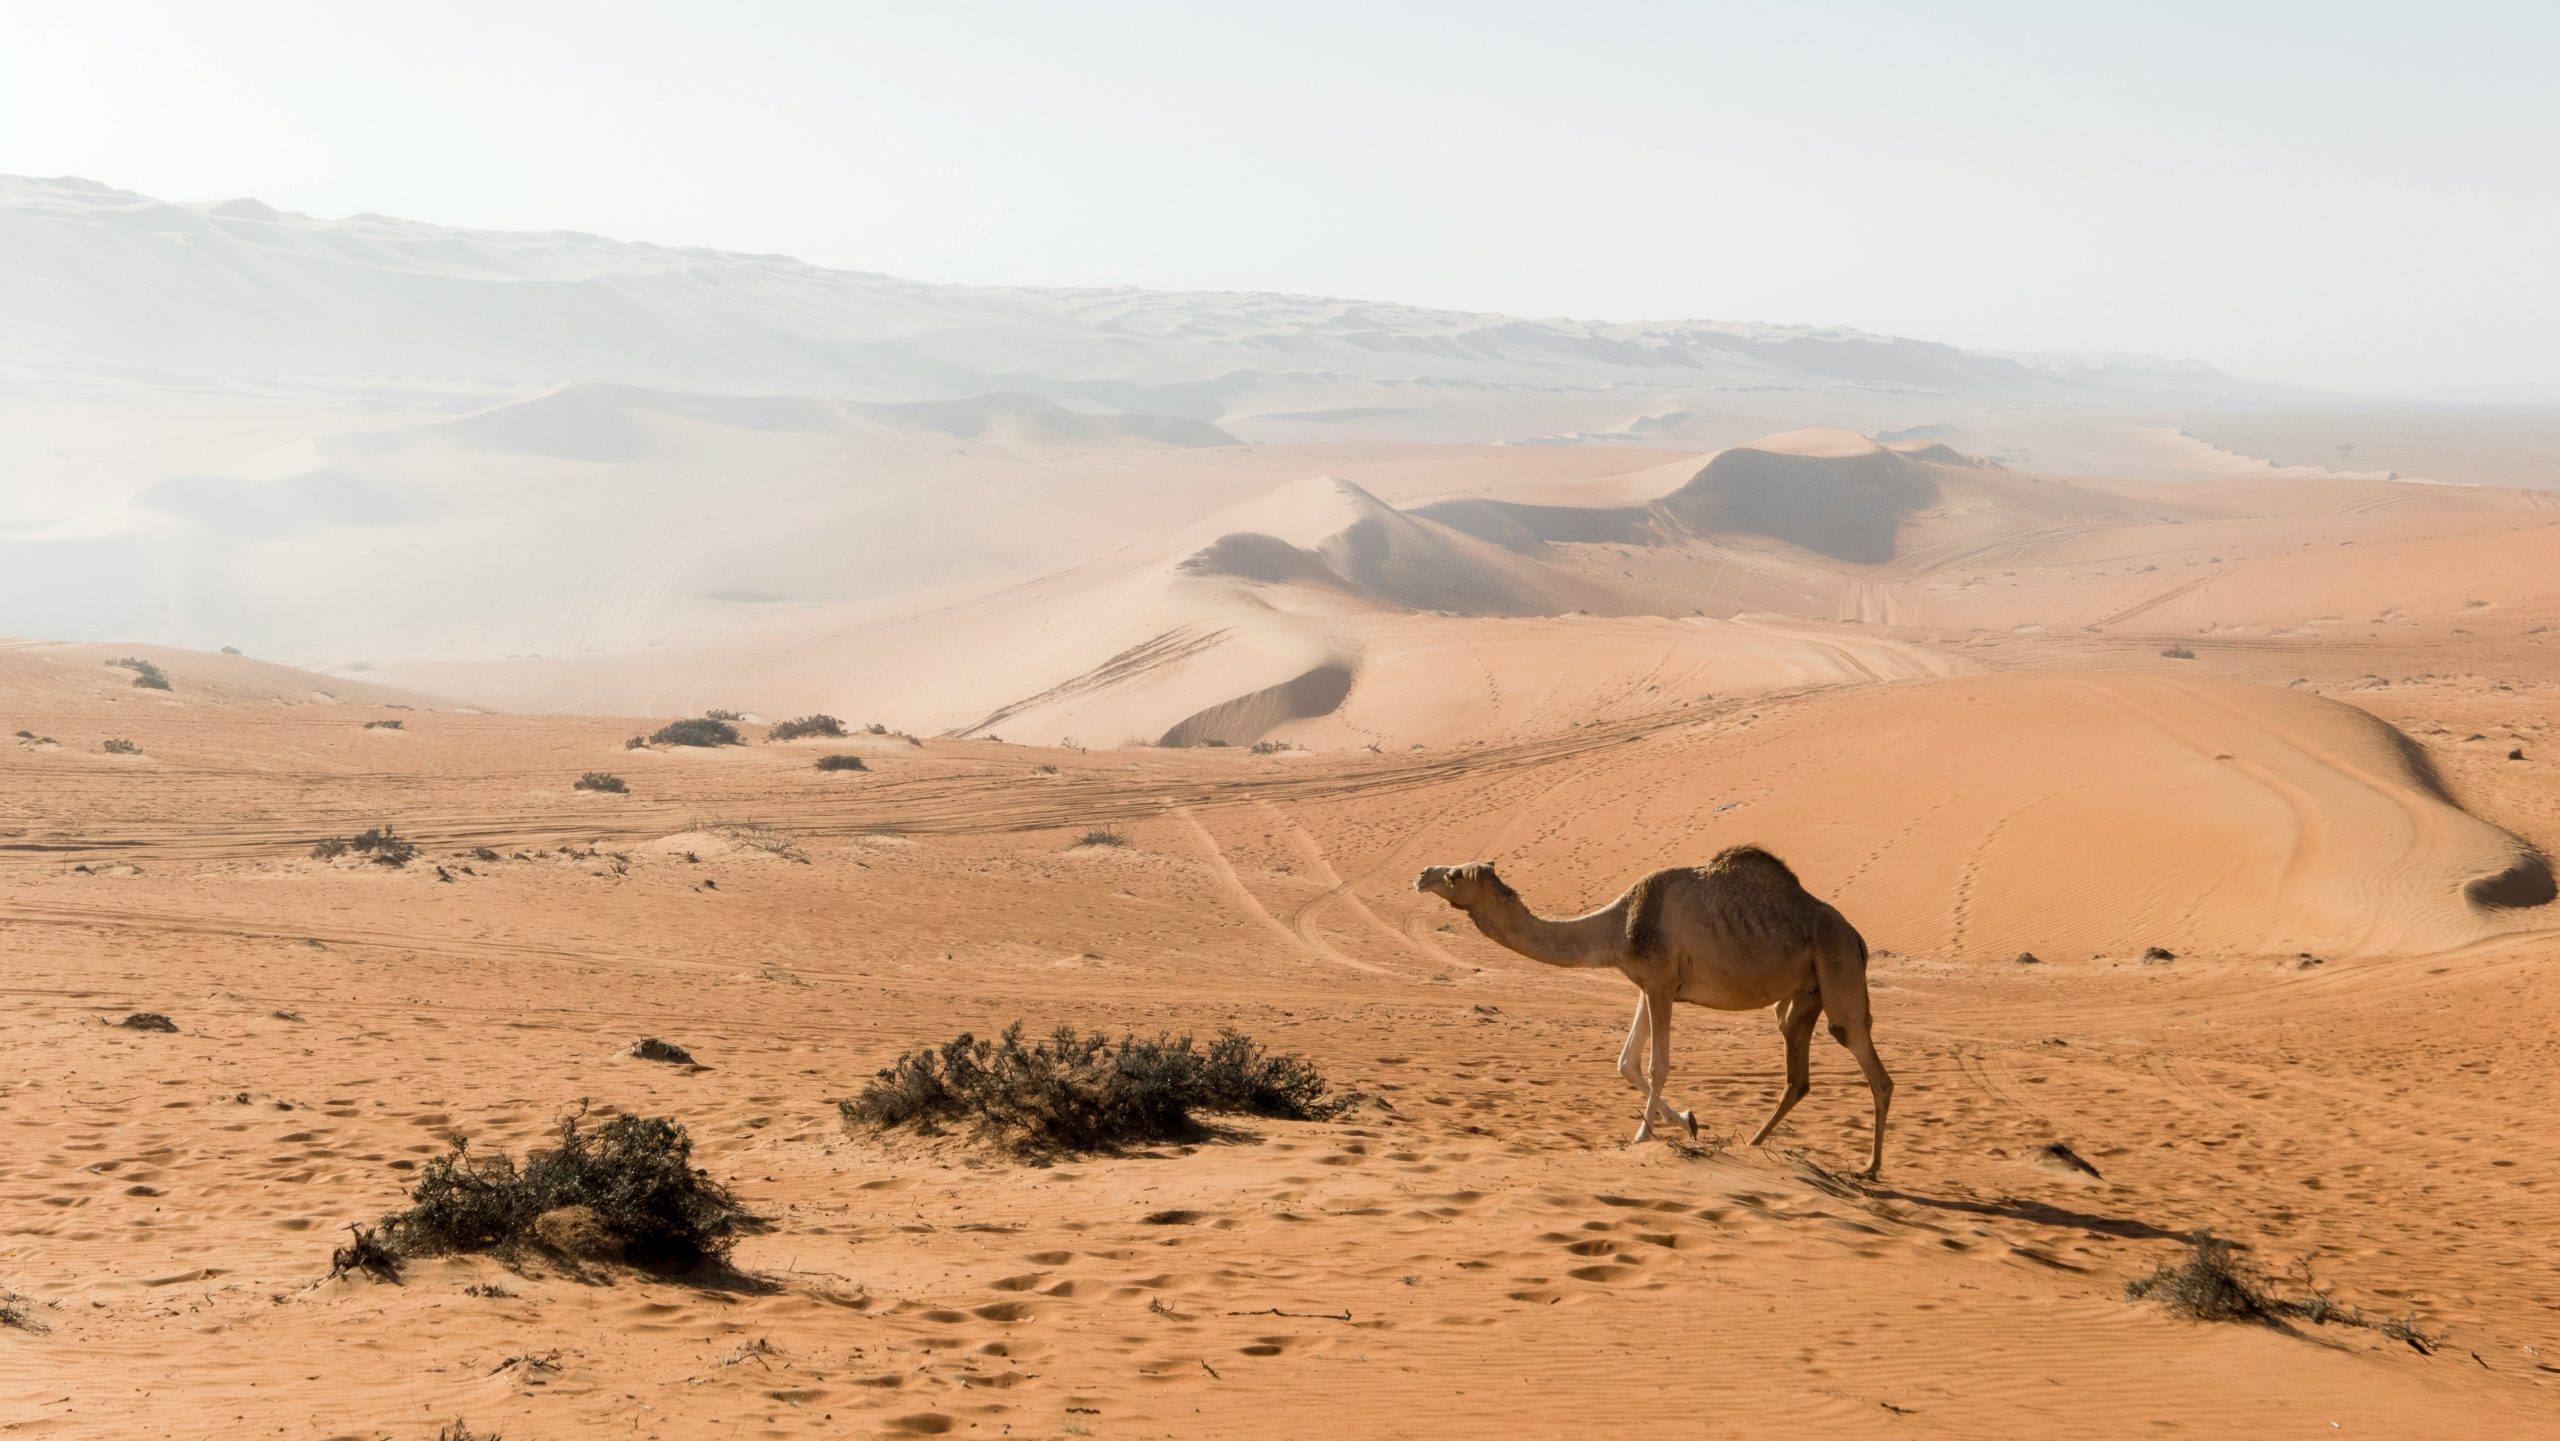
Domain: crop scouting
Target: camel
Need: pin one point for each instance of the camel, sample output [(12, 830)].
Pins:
[(1736, 934)]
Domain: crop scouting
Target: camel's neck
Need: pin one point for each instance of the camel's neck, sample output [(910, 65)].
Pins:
[(1598, 939)]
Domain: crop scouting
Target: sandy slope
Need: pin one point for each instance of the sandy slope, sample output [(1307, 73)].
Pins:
[(1474, 1255)]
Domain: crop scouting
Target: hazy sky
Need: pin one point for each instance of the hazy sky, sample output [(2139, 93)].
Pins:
[(2346, 194)]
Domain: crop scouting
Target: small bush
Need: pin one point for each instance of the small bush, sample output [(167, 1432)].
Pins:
[(2179, 652), (146, 676), (722, 715), (635, 1173), (708, 731), (600, 781), (1101, 836), (636, 743), (2212, 1283), (231, 650), (382, 725), (650, 1048), (1087, 1093), (148, 1021), (1271, 748), (841, 763), (461, 1431), (380, 843), (121, 748), (807, 725)]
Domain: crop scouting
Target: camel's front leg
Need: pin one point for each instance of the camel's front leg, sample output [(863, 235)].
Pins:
[(1628, 1065)]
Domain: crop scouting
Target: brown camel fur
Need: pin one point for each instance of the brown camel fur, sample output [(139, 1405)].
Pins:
[(1736, 934)]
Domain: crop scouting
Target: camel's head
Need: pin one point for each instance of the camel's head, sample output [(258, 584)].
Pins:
[(1465, 887)]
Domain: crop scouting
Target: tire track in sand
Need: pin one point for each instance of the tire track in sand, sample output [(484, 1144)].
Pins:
[(1234, 886)]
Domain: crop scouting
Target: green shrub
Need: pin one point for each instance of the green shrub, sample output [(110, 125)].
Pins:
[(600, 781), (1101, 836), (706, 731), (1087, 1093), (841, 763), (807, 725), (722, 715)]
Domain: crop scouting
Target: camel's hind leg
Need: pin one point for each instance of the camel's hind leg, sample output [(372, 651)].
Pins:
[(1842, 973), (1628, 1066), (1796, 1015)]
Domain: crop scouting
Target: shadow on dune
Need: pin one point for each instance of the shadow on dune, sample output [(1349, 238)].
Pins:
[(2039, 1213)]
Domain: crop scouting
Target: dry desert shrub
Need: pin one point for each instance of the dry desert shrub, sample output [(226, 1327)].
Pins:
[(120, 747), (755, 836), (382, 725), (146, 676), (1101, 836), (634, 1175), (807, 725), (2213, 1282), (1087, 1092), (841, 763), (380, 843), (708, 730), (600, 781)]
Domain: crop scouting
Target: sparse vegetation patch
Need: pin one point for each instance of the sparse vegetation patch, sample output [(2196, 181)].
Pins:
[(382, 725), (148, 1021), (650, 1048), (841, 763), (600, 781), (1087, 1092), (807, 725), (1101, 836), (706, 731), (755, 836), (2214, 1282), (379, 843), (2179, 652), (146, 676), (121, 748)]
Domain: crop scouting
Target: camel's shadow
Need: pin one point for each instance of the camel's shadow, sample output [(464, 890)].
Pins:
[(2017, 1208)]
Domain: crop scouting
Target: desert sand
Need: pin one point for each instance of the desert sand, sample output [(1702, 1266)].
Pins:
[(2191, 777), (1973, 746)]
